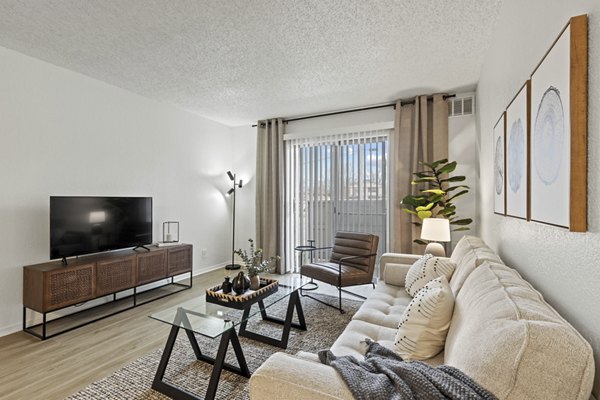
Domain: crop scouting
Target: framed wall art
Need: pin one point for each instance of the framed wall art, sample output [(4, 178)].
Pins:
[(559, 131), (517, 154), (500, 166)]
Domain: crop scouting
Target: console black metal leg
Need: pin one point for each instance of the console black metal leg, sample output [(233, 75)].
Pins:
[(44, 326), (293, 304)]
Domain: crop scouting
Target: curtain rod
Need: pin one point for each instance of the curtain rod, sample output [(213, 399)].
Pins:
[(402, 102)]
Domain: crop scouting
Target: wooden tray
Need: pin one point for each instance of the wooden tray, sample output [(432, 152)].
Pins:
[(267, 287)]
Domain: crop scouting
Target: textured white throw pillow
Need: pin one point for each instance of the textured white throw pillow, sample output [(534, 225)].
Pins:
[(425, 269), (425, 322)]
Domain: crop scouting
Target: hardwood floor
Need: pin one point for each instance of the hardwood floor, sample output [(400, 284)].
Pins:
[(60, 366)]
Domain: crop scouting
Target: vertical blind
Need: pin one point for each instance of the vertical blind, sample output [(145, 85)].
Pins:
[(335, 183)]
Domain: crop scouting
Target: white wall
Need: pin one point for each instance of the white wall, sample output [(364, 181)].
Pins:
[(244, 139), (562, 265), (62, 133), (462, 134)]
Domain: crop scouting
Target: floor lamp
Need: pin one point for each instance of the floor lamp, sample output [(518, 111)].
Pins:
[(232, 191)]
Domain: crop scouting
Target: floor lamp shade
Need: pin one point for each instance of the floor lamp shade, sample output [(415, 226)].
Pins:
[(435, 230)]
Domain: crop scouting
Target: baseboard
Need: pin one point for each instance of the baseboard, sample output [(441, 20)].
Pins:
[(11, 329), (17, 327), (211, 268)]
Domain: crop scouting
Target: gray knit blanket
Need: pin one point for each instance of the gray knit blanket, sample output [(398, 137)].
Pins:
[(384, 375)]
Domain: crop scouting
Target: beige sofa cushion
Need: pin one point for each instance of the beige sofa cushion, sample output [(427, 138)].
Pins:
[(352, 340), (395, 274), (426, 269), (398, 259), (506, 337), (284, 376), (469, 253), (384, 306), (422, 330)]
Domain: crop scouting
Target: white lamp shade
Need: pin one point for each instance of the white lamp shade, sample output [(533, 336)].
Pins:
[(436, 229)]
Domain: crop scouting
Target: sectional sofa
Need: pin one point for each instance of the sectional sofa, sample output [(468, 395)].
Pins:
[(502, 334)]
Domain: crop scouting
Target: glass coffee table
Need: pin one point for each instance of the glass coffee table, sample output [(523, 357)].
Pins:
[(216, 320)]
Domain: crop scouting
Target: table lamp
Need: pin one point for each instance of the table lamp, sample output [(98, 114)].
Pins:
[(435, 230)]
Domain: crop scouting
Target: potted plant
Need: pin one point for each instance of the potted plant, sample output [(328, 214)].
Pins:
[(437, 195), (254, 263)]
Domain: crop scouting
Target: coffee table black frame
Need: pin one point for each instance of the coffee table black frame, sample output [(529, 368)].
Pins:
[(293, 303), (228, 336)]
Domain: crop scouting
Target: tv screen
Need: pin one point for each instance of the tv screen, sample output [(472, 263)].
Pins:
[(84, 225)]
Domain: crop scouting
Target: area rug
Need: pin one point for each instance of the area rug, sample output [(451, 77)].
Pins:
[(134, 380)]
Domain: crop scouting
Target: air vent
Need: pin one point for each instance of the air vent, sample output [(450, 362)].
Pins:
[(460, 106)]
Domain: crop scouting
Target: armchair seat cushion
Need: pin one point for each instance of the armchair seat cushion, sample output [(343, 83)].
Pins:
[(328, 272)]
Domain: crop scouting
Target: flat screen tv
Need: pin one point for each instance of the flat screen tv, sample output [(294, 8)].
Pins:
[(84, 225)]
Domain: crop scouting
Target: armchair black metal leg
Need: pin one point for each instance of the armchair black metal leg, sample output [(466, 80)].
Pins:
[(327, 304)]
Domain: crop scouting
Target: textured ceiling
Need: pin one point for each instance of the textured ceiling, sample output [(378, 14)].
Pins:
[(236, 61)]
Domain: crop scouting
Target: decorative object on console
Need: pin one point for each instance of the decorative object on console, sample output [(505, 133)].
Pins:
[(170, 231), (500, 166), (559, 131), (254, 263), (236, 185), (435, 230), (424, 325), (517, 153), (436, 195), (240, 283), (424, 270)]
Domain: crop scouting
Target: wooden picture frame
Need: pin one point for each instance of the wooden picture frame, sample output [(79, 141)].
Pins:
[(518, 117), (558, 147), (499, 151)]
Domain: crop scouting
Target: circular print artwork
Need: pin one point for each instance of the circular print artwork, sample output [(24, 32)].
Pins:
[(499, 165), (515, 155), (549, 136)]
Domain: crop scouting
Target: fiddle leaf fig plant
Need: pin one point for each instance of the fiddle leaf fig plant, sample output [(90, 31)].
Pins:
[(439, 190)]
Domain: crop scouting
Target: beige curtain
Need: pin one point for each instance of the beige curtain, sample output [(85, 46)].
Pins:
[(270, 174), (420, 134)]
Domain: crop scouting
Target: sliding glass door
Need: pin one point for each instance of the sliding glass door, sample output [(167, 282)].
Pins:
[(336, 183)]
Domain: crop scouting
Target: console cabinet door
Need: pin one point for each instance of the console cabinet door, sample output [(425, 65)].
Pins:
[(151, 266), (115, 275), (68, 286), (180, 260)]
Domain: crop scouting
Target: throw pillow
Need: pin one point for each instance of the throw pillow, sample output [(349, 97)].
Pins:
[(425, 322), (425, 269)]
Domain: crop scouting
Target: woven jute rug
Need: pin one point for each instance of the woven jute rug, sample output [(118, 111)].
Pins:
[(134, 380)]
